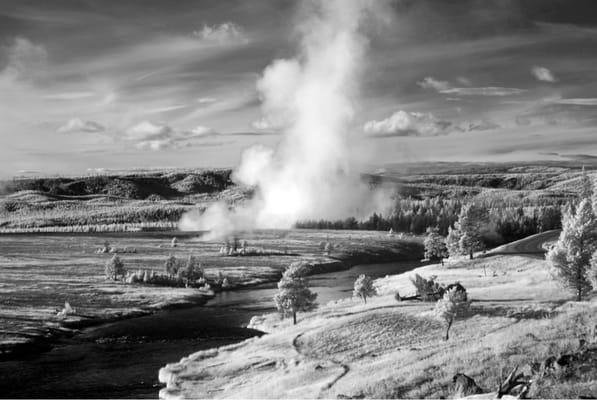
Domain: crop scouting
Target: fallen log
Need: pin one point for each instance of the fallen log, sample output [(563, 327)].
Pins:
[(466, 388)]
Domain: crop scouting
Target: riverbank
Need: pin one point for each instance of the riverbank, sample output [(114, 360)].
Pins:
[(389, 349), (41, 272)]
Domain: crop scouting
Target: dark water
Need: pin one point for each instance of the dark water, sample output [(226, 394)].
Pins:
[(122, 359)]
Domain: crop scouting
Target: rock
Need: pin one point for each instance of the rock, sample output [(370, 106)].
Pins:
[(464, 386)]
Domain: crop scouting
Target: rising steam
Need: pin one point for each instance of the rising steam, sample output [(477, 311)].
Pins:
[(315, 171)]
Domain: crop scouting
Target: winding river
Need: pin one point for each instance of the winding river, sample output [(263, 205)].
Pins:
[(121, 359)]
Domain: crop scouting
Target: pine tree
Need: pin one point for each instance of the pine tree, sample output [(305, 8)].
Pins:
[(363, 287), (592, 272), (453, 242), (571, 255), (450, 306), (586, 186), (293, 292), (471, 220), (435, 245)]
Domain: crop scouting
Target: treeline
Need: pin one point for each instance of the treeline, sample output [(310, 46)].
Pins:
[(131, 186), (510, 221)]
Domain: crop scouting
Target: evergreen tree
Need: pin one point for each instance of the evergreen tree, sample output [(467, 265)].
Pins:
[(453, 242), (471, 220), (435, 245), (363, 287), (293, 292), (571, 255), (586, 186)]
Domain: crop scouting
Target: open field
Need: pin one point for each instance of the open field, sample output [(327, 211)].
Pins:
[(41, 272), (387, 349)]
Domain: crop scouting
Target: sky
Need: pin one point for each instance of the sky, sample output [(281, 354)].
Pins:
[(93, 85)]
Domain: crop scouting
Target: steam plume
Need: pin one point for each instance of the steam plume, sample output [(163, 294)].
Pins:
[(315, 171)]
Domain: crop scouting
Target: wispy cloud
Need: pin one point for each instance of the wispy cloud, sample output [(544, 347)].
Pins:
[(543, 74), (445, 87), (435, 84), (78, 125), (69, 96), (577, 102), (224, 33)]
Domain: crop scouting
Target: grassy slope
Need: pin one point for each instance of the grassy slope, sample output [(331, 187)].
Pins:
[(387, 349)]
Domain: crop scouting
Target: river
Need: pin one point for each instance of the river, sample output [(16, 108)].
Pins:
[(121, 359)]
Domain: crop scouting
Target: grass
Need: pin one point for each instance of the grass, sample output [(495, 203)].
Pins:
[(390, 349)]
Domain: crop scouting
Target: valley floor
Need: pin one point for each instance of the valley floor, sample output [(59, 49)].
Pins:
[(41, 272), (388, 349)]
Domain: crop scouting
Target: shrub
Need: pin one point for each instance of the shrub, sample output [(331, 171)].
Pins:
[(171, 265), (427, 289), (363, 287), (115, 268)]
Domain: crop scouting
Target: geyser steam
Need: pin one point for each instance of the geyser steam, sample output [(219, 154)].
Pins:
[(315, 171)]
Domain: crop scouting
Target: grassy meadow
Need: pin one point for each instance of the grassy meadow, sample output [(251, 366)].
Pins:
[(388, 349)]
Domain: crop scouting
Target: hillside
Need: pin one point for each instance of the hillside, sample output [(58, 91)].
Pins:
[(389, 349)]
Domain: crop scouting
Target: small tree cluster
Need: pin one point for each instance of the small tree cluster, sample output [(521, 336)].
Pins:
[(293, 292), (363, 287), (452, 305), (191, 271), (114, 268), (435, 245)]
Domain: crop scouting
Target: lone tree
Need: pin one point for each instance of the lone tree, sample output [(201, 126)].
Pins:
[(171, 265), (293, 292), (571, 255), (467, 230), (114, 268), (435, 245), (363, 287), (452, 305)]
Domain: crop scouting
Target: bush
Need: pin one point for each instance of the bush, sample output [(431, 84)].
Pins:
[(115, 268), (427, 289), (363, 287)]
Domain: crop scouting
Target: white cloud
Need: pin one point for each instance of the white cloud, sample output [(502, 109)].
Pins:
[(432, 83), (151, 136), (225, 33), (577, 102), (483, 91), (543, 74), (199, 131), (445, 87), (206, 100), (146, 130), (78, 125), (25, 58), (69, 96), (404, 123)]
